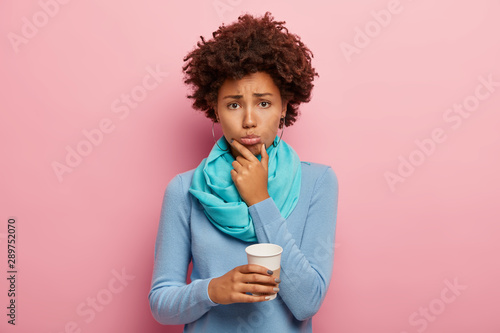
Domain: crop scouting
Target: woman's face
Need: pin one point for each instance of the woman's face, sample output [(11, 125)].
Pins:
[(249, 111)]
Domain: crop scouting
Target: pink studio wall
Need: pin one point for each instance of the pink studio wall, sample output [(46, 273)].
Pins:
[(405, 110)]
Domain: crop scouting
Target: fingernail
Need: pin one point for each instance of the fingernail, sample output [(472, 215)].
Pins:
[(268, 297), (277, 280), (276, 289), (270, 272)]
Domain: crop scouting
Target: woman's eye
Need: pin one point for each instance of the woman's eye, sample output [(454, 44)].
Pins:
[(265, 104), (233, 106)]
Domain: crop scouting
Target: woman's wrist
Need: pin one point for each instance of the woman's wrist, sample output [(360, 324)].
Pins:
[(210, 291), (259, 198)]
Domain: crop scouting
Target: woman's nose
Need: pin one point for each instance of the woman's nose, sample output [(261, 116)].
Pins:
[(249, 118)]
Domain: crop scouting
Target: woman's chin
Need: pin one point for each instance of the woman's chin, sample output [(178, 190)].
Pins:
[(255, 149)]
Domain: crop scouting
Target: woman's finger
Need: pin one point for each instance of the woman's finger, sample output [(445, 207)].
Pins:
[(265, 157), (244, 298), (244, 151), (241, 160), (255, 288), (259, 279), (252, 268), (236, 166)]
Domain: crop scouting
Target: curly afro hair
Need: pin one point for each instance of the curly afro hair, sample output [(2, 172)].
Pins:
[(247, 46)]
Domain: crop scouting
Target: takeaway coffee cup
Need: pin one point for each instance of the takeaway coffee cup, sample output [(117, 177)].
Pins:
[(267, 255)]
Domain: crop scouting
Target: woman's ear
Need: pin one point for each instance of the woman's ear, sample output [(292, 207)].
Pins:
[(284, 106), (214, 107)]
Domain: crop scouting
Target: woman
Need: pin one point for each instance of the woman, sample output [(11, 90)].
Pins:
[(252, 188)]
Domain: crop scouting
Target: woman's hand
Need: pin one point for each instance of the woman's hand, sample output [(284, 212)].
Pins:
[(250, 175), (233, 286)]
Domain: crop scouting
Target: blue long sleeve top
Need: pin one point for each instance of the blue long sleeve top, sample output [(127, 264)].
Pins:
[(185, 234)]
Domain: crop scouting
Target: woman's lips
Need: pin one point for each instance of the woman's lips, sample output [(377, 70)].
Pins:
[(250, 140)]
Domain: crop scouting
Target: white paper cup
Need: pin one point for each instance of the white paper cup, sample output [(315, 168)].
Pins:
[(267, 255)]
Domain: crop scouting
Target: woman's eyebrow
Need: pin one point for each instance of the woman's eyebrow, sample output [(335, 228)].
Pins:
[(233, 96), (262, 94), (254, 94)]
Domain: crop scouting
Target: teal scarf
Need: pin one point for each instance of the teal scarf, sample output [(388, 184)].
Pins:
[(213, 186)]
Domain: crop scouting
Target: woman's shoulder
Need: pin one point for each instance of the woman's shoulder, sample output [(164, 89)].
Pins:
[(313, 172), (186, 176), (315, 168), (181, 182)]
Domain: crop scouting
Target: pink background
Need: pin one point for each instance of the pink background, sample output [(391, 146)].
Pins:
[(399, 246)]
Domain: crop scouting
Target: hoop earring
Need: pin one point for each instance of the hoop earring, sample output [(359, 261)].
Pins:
[(282, 130), (213, 135)]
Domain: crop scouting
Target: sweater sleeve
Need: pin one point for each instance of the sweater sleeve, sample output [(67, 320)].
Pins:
[(306, 268), (172, 301)]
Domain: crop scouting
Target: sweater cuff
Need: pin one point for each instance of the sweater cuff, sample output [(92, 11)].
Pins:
[(210, 302), (264, 212)]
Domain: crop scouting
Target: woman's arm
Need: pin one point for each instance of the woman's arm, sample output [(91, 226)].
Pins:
[(305, 269), (172, 301)]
